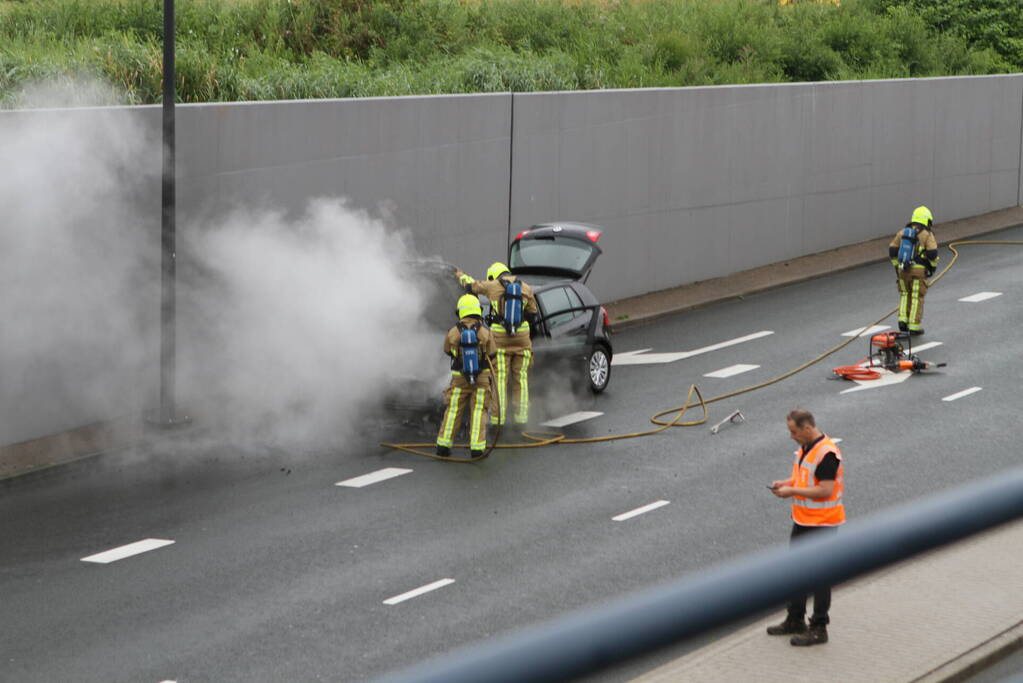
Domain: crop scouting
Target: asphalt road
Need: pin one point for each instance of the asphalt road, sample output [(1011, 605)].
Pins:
[(277, 574)]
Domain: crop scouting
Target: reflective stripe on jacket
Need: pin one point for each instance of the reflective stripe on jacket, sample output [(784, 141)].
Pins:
[(811, 511)]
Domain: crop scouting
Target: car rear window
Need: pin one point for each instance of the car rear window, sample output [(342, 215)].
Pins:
[(550, 252)]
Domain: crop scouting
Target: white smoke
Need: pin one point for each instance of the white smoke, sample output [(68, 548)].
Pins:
[(289, 330), (74, 266), (297, 326), (68, 90)]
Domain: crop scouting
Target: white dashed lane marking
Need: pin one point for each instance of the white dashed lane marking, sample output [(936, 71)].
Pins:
[(418, 591), (635, 357), (119, 553), (925, 347), (638, 511), (732, 370), (980, 296), (373, 477), (571, 418), (964, 392), (864, 331)]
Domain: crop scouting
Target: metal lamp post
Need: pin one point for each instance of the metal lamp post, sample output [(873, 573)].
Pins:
[(167, 415)]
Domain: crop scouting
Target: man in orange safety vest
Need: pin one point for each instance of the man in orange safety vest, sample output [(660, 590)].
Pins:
[(815, 489)]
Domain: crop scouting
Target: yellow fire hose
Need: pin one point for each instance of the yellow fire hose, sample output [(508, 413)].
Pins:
[(539, 439)]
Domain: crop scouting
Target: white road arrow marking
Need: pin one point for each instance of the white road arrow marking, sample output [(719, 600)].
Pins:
[(887, 379), (864, 331), (925, 347), (980, 296), (635, 357)]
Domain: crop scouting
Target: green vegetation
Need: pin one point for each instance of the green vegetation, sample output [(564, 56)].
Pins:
[(290, 49)]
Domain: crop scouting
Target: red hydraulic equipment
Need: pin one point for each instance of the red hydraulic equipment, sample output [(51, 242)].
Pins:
[(892, 351)]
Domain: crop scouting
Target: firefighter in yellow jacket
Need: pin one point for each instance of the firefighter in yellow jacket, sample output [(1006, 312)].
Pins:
[(512, 308), (471, 347), (914, 253)]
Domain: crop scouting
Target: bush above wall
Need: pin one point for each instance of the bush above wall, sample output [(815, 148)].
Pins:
[(231, 50)]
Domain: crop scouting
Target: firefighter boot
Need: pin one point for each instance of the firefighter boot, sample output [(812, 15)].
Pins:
[(817, 634), (903, 326), (443, 452), (787, 627), (475, 454)]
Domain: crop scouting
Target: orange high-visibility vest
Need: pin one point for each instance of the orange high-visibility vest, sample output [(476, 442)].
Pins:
[(810, 511)]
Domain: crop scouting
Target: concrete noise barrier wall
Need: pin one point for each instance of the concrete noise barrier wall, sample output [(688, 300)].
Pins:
[(690, 183), (695, 183)]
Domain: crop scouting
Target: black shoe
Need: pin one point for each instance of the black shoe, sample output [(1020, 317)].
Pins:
[(443, 452), (903, 326), (475, 454), (787, 628), (916, 333), (817, 635)]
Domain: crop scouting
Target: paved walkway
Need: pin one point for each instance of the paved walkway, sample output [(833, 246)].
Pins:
[(912, 622)]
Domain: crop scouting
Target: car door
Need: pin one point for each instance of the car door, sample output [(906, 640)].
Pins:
[(564, 324)]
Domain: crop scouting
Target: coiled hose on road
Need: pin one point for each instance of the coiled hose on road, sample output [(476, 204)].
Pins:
[(538, 439)]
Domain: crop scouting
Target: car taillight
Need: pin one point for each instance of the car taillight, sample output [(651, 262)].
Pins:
[(519, 236), (594, 235), (607, 320)]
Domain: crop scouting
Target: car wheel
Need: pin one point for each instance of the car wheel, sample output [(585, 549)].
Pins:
[(598, 368)]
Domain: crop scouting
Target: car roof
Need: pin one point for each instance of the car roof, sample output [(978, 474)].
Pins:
[(565, 229)]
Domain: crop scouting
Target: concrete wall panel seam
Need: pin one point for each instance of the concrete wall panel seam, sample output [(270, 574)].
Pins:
[(1019, 165)]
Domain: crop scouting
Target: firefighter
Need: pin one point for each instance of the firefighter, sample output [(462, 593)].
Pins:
[(471, 347), (512, 309), (914, 253)]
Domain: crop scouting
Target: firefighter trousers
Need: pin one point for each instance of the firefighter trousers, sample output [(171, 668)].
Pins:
[(912, 288), (462, 397), (512, 367)]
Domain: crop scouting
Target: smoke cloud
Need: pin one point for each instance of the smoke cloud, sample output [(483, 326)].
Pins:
[(290, 330), (75, 268), (297, 328)]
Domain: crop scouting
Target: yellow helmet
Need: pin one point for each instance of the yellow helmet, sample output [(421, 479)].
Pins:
[(468, 304), (922, 215), (496, 270)]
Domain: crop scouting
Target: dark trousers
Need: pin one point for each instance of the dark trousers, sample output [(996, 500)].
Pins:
[(822, 595)]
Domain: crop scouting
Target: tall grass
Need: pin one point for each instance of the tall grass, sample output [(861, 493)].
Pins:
[(285, 49)]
